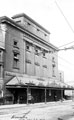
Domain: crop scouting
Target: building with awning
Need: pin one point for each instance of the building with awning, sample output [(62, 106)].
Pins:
[(28, 62), (31, 83)]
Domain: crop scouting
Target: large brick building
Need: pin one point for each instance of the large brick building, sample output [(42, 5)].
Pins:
[(28, 62)]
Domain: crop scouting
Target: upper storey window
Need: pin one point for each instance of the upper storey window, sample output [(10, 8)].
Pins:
[(29, 23), (53, 60), (37, 50), (28, 46), (45, 53), (38, 29), (15, 44), (1, 55), (15, 60)]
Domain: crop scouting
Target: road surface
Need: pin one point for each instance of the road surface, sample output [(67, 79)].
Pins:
[(42, 111)]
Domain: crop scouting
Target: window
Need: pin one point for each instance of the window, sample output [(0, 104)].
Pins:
[(16, 60), (0, 55), (29, 23), (28, 46), (53, 70), (45, 34), (37, 50), (60, 77), (0, 71), (38, 29), (45, 53), (15, 44), (53, 59)]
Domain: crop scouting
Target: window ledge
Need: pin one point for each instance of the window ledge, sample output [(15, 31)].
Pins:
[(16, 67)]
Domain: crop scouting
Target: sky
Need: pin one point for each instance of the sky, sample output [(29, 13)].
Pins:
[(57, 17)]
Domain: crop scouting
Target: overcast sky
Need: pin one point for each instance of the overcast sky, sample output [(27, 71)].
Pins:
[(57, 16)]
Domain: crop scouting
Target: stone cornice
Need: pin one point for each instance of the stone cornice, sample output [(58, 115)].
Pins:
[(26, 16), (7, 20)]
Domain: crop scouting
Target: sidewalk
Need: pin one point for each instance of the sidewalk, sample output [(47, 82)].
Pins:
[(36, 104)]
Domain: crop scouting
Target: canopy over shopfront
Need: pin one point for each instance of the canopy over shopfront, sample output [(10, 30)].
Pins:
[(40, 89), (18, 81)]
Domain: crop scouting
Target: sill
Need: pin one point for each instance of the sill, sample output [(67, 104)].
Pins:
[(28, 50), (15, 46), (37, 64), (16, 68), (28, 61), (37, 54), (44, 57), (44, 66), (53, 75)]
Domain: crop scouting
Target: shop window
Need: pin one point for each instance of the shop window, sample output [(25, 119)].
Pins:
[(15, 60)]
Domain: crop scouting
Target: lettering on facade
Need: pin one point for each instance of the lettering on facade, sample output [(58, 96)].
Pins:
[(9, 74)]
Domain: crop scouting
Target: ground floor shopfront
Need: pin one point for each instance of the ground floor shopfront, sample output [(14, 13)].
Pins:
[(30, 90), (35, 95)]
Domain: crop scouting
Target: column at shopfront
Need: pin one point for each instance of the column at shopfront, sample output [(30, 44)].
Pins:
[(61, 94), (45, 95), (28, 95)]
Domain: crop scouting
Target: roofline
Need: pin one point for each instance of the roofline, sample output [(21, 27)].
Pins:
[(33, 21), (21, 28)]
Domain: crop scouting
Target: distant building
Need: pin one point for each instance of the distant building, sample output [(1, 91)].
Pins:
[(28, 63)]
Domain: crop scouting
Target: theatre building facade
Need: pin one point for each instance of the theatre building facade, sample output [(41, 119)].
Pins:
[(28, 62)]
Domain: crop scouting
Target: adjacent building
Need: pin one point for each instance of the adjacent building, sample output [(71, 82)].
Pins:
[(28, 62)]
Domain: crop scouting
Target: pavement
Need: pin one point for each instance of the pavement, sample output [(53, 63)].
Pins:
[(35, 104)]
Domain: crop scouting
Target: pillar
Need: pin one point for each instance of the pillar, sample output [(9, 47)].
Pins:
[(61, 94), (45, 95), (27, 94)]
